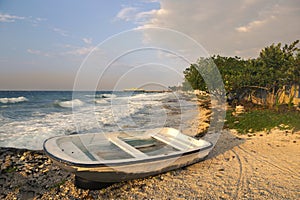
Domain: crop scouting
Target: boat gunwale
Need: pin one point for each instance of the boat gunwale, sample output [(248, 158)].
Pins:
[(100, 163)]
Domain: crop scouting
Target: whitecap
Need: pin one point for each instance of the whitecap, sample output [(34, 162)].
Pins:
[(30, 134), (101, 101), (70, 104), (13, 100), (98, 96), (106, 96)]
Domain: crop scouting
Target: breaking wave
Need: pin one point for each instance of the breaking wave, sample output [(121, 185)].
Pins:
[(70, 104), (107, 96), (99, 96), (101, 101), (13, 100)]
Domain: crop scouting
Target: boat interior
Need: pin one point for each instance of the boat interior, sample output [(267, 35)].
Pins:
[(125, 146)]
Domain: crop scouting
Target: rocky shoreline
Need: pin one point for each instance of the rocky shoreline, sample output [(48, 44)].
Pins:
[(26, 174)]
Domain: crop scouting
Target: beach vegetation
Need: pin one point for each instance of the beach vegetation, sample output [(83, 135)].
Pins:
[(264, 80), (263, 120)]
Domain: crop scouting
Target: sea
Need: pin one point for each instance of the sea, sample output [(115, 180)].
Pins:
[(28, 118)]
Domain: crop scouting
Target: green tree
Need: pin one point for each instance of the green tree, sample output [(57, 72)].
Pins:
[(277, 66), (203, 75)]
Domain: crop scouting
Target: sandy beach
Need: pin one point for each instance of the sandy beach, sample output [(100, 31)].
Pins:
[(261, 165), (258, 166)]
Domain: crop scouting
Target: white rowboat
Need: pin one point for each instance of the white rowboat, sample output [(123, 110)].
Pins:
[(120, 156)]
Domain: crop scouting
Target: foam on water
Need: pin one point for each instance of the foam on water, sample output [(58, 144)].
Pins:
[(89, 115), (102, 95), (2, 119), (107, 96), (31, 133), (13, 100), (101, 101), (70, 104)]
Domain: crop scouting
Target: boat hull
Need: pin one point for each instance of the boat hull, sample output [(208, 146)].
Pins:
[(107, 174), (116, 157)]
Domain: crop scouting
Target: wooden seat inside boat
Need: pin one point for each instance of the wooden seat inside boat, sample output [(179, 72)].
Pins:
[(121, 145), (127, 148), (172, 142)]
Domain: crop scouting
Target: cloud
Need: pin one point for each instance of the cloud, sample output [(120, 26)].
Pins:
[(252, 25), (146, 15), (10, 18), (236, 26), (127, 13), (78, 50), (36, 21), (81, 51), (87, 40), (61, 32), (67, 50), (134, 14), (38, 52)]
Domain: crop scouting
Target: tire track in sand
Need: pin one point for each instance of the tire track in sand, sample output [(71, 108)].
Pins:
[(240, 176), (265, 160)]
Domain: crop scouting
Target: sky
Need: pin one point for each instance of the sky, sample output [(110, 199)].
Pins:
[(61, 45)]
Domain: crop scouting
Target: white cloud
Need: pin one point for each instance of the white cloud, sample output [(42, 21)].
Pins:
[(256, 24), (251, 25), (36, 21), (127, 13), (134, 14), (228, 28), (10, 18), (79, 50), (38, 52), (141, 16), (61, 32), (87, 40), (67, 50), (32, 51), (40, 19)]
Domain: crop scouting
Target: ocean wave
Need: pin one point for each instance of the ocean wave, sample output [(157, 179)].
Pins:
[(13, 100), (98, 96), (70, 104), (152, 96), (106, 96), (31, 133), (101, 101), (125, 114)]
